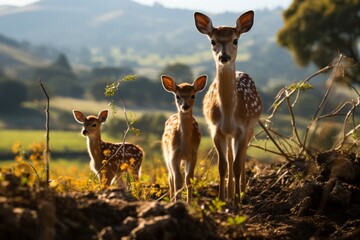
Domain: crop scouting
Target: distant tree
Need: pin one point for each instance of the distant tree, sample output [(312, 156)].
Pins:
[(180, 72), (60, 78), (317, 31), (12, 94), (59, 69), (62, 63)]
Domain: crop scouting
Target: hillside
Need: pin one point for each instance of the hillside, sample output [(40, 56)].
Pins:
[(13, 54), (125, 33), (107, 23)]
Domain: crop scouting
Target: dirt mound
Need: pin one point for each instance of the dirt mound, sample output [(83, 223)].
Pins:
[(111, 214), (282, 203)]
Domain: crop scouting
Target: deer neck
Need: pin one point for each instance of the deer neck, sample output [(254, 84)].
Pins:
[(185, 126), (94, 144), (225, 75)]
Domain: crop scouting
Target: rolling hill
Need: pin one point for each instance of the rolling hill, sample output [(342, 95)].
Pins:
[(118, 33)]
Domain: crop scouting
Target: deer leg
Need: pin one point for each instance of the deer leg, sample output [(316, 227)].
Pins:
[(170, 178), (239, 165), (106, 177), (249, 135), (189, 175), (230, 161), (178, 179), (220, 145), (171, 186)]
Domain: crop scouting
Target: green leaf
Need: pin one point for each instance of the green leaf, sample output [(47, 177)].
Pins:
[(111, 89), (237, 220)]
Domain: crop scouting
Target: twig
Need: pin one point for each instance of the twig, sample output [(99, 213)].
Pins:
[(267, 150), (293, 121), (47, 148), (124, 138), (275, 143), (321, 105), (34, 169), (279, 100), (284, 144)]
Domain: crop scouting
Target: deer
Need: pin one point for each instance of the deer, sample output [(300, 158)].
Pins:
[(108, 160), (181, 137), (232, 104)]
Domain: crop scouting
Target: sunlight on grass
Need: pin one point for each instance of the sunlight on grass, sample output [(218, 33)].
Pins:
[(60, 140)]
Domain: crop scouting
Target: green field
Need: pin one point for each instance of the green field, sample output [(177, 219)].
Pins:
[(59, 140), (73, 141)]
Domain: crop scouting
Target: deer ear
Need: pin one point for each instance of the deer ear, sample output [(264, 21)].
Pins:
[(203, 23), (103, 115), (245, 22), (79, 116), (200, 83), (168, 83)]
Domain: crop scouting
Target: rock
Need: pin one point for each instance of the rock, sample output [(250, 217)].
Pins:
[(340, 194), (159, 227)]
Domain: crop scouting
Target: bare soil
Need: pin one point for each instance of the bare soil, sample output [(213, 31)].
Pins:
[(297, 200)]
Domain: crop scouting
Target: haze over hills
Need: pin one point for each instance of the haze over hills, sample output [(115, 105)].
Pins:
[(107, 23), (107, 32)]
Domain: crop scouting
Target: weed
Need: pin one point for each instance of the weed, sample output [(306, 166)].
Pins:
[(235, 221)]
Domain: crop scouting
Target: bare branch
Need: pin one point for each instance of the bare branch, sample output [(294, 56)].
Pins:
[(47, 148)]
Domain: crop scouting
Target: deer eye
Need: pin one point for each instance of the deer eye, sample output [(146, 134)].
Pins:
[(94, 125), (213, 42), (177, 97), (193, 96), (235, 42)]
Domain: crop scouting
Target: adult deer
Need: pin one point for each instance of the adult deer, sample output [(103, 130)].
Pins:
[(232, 105), (181, 137), (108, 160)]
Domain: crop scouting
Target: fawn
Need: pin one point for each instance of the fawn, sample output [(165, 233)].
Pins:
[(181, 137), (109, 158), (232, 105)]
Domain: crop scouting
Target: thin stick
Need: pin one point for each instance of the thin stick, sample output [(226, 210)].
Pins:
[(322, 103), (47, 148), (124, 138), (273, 140)]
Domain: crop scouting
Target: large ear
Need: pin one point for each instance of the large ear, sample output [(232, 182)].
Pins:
[(103, 115), (168, 83), (200, 83), (245, 22), (203, 23), (79, 116)]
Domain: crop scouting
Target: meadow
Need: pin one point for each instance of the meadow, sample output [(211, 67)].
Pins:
[(276, 190)]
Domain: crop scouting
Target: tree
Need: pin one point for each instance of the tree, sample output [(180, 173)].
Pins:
[(59, 69), (12, 94), (180, 72), (317, 31)]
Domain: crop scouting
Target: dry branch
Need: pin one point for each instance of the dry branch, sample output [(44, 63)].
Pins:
[(295, 146), (47, 148)]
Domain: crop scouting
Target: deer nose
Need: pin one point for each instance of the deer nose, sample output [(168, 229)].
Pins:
[(224, 58), (186, 107), (84, 132)]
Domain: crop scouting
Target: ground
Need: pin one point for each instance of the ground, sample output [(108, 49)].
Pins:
[(298, 200)]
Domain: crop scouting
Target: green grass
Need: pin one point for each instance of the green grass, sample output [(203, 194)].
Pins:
[(60, 141), (61, 167)]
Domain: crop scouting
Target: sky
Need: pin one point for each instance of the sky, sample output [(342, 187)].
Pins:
[(213, 6)]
